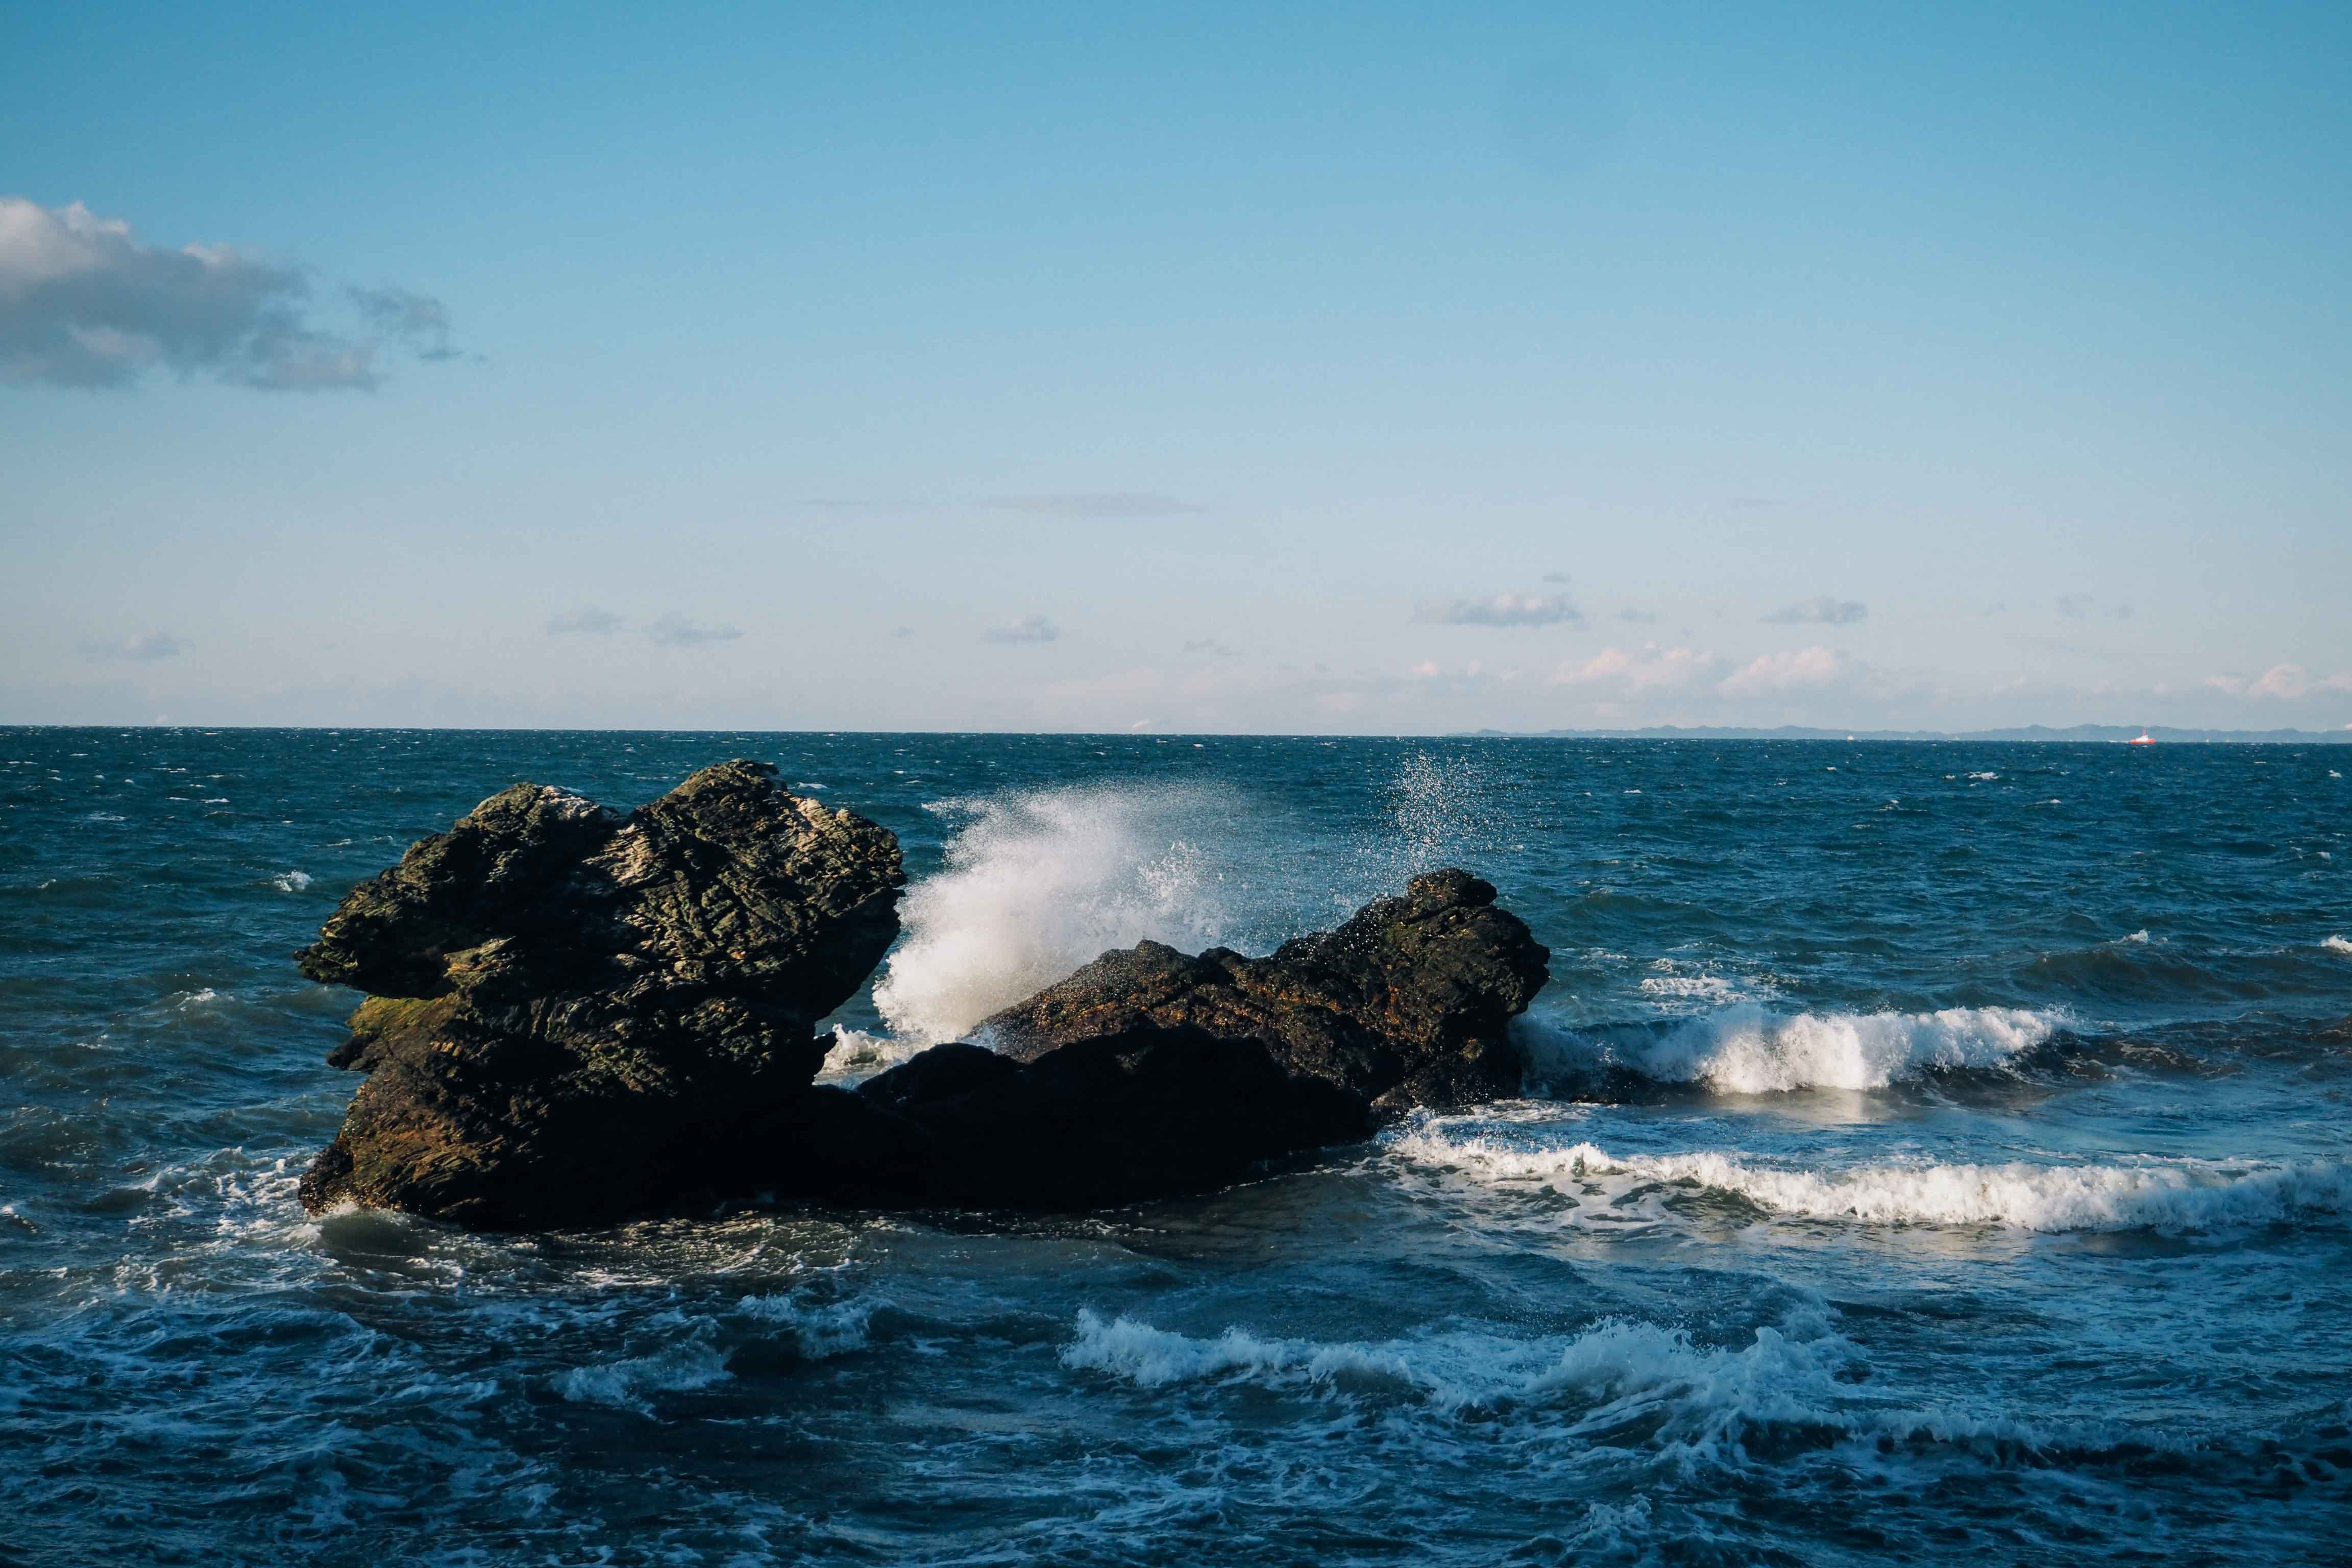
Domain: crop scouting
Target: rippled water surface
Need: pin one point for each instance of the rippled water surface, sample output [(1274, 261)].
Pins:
[(1934, 1152)]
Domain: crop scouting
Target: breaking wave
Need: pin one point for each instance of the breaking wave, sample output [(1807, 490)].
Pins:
[(2172, 1196), (1748, 1049), (1619, 1383)]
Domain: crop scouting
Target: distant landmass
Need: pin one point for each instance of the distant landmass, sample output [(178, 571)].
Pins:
[(2073, 734)]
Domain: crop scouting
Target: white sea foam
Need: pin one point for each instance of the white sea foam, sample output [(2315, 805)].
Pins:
[(2338, 944), (202, 998), (856, 1053), (2152, 1195), (292, 881), (631, 1384), (1746, 1049)]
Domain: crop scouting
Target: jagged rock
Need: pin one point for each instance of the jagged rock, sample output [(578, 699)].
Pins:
[(1151, 1112), (1405, 1004), (577, 1014)]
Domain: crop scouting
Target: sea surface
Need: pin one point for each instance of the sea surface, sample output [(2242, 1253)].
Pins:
[(1936, 1152)]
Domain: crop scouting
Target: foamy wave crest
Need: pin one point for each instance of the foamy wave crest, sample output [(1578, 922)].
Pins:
[(2338, 944), (1040, 883), (1747, 1050), (631, 1384), (821, 1328), (2163, 1196), (1619, 1382)]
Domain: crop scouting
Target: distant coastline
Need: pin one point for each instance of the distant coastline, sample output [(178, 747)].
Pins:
[(2074, 734)]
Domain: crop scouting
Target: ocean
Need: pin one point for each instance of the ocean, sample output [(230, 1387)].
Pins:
[(1933, 1150)]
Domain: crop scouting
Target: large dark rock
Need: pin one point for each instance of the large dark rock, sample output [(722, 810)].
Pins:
[(1405, 1004), (1151, 1112), (576, 1014)]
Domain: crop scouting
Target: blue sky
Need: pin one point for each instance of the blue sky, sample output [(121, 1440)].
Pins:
[(1386, 368)]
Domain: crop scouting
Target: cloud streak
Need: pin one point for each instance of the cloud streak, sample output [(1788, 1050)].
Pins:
[(140, 650), (1028, 629), (586, 621), (1502, 610), (1097, 504), (674, 630), (1821, 610)]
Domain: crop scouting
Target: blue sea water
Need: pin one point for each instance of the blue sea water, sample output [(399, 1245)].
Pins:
[(1936, 1152)]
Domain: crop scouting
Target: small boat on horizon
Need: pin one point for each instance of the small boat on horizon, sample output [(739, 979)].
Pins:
[(2142, 738)]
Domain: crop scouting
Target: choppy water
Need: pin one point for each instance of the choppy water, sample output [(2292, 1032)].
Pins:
[(1976, 1183)]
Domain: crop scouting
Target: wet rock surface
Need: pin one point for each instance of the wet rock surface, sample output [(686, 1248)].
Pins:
[(1406, 1003), (573, 1009)]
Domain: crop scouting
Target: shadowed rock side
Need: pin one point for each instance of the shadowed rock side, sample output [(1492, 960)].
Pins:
[(1405, 1004), (576, 1014), (1149, 1113)]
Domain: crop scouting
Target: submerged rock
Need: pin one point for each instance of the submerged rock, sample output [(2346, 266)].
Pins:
[(576, 1014), (1405, 1004)]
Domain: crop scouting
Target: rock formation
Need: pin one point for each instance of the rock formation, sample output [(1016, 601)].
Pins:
[(1405, 1004), (572, 1012), (576, 1015)]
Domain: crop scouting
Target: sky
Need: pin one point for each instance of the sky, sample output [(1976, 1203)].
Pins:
[(1366, 368)]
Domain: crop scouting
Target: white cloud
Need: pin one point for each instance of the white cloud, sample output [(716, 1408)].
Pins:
[(1821, 610), (84, 304), (1029, 628), (2289, 681), (1502, 610), (1646, 668), (1805, 668)]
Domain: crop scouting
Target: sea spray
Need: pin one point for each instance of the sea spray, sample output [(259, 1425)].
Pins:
[(1038, 882)]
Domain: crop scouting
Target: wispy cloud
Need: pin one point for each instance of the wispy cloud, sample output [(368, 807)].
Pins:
[(1555, 577), (1101, 505), (1639, 618), (419, 320), (674, 630), (84, 304), (588, 620), (1028, 629), (1502, 610), (140, 650), (1821, 610)]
